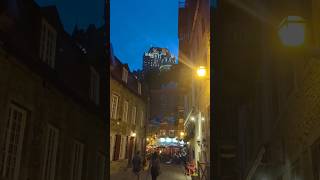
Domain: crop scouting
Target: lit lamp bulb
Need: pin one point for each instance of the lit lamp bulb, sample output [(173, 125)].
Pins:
[(202, 71), (182, 134), (147, 139), (133, 134), (192, 118), (292, 31)]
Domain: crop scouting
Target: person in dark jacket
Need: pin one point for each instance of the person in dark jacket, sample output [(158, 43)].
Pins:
[(155, 166), (137, 164)]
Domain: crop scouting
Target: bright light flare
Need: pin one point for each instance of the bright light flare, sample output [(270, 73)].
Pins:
[(201, 71)]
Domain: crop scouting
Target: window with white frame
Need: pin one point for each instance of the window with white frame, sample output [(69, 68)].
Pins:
[(124, 75), (139, 88), (50, 153), (114, 106), (101, 167), (48, 40), (12, 144), (94, 86), (77, 160), (125, 111), (134, 114)]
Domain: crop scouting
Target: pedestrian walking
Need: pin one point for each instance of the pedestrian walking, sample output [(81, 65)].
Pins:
[(137, 164), (155, 166)]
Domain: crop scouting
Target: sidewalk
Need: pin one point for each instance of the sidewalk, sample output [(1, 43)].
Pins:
[(168, 172)]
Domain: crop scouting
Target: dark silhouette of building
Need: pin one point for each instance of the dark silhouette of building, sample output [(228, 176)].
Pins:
[(262, 130), (53, 105)]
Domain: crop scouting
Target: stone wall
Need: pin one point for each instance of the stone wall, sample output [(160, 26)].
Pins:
[(125, 128), (45, 104)]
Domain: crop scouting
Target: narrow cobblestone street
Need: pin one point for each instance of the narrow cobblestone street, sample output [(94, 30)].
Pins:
[(168, 172)]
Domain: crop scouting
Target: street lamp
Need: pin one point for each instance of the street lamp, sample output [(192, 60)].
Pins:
[(292, 31), (201, 71), (133, 134), (182, 134)]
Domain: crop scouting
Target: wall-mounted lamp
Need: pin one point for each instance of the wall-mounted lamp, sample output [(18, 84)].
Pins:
[(133, 134), (292, 31), (201, 71)]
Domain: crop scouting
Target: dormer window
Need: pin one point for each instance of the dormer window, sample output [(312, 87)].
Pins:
[(94, 86), (139, 88), (48, 40), (124, 75)]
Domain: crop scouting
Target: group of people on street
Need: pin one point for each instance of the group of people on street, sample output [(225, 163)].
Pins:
[(153, 164)]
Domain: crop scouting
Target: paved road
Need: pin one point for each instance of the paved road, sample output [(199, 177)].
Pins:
[(168, 172)]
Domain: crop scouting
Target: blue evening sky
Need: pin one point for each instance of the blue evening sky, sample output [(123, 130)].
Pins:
[(135, 25), (81, 12)]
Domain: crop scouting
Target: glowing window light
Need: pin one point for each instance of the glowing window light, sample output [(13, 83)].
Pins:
[(162, 140), (174, 140)]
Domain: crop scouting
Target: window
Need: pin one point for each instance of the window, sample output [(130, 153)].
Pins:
[(101, 166), (162, 132), (134, 114), (124, 75), (94, 86), (139, 88), (125, 111), (12, 147), (48, 39), (142, 119), (50, 153), (76, 162), (171, 132), (114, 106)]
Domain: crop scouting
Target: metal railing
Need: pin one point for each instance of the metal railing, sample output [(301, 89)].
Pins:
[(203, 170)]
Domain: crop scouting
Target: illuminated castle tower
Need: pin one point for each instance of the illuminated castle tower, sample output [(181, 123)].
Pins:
[(158, 59)]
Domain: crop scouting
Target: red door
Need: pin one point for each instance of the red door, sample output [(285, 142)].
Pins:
[(117, 147), (127, 146), (130, 149)]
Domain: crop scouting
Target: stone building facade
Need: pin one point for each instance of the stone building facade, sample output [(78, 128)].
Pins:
[(194, 51), (128, 115), (53, 119)]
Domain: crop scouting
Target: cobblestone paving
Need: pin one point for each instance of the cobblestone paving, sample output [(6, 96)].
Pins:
[(168, 172)]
